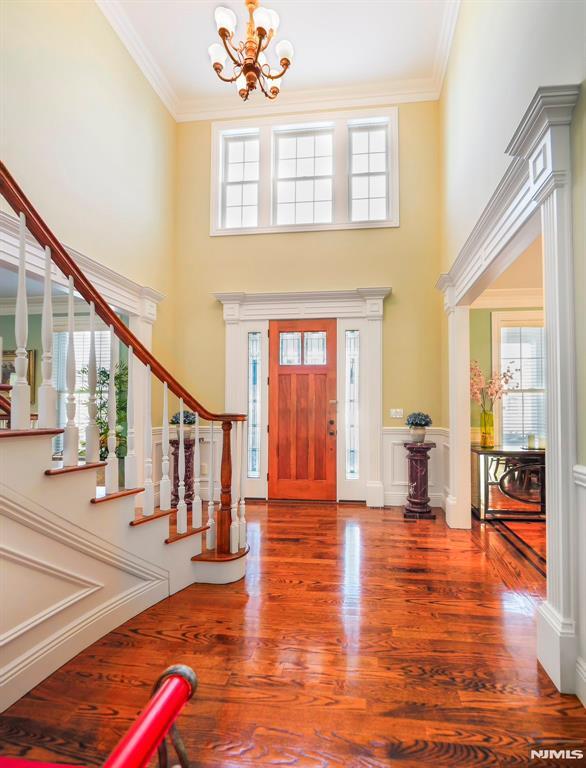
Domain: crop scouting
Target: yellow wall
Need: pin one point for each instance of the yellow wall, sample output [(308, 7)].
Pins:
[(88, 140), (405, 258)]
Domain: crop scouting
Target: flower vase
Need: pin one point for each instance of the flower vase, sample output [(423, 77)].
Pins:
[(487, 429)]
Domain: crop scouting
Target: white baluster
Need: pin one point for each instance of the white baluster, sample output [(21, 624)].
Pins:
[(211, 533), (47, 392), (196, 507), (112, 459), (92, 433), (234, 522), (130, 469), (165, 484), (243, 473), (149, 493), (181, 505), (71, 435), (20, 416)]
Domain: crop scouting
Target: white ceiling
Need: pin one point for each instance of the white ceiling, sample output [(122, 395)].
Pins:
[(347, 52)]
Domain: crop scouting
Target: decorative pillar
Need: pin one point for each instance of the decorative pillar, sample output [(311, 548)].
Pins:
[(417, 505), (375, 493)]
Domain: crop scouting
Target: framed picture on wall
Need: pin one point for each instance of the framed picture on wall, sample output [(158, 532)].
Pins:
[(8, 372)]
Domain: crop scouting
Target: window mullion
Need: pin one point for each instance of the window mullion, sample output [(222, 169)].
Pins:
[(266, 177), (341, 208)]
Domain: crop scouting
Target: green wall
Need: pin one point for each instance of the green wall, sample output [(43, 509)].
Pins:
[(34, 342)]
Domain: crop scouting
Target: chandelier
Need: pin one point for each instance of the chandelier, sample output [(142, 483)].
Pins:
[(250, 68)]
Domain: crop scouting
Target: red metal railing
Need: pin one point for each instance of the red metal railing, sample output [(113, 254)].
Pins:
[(147, 734)]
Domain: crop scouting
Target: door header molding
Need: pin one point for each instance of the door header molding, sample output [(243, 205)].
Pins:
[(360, 302)]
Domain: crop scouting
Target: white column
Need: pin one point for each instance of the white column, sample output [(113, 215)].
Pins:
[(149, 493), (234, 523), (458, 502), (112, 459), (71, 434), (92, 433), (375, 494), (165, 484), (20, 416), (196, 509), (211, 533), (557, 643), (47, 392), (243, 472), (181, 505), (130, 478)]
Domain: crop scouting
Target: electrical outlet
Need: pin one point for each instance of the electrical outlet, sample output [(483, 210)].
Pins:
[(204, 469), (396, 413)]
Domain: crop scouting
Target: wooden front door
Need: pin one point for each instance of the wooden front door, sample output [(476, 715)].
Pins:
[(302, 409)]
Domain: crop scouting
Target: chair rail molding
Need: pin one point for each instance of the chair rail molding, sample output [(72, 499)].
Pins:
[(534, 196), (248, 312)]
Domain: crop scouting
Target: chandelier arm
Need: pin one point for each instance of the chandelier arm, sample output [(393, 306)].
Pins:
[(227, 79), (270, 96), (280, 74), (229, 52), (267, 41), (259, 47)]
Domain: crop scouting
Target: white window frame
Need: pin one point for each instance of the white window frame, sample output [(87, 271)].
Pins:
[(512, 319), (341, 188)]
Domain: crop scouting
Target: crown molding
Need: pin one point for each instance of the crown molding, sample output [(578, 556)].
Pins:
[(509, 298), (226, 108)]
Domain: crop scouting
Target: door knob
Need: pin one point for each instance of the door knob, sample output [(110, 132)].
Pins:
[(331, 421)]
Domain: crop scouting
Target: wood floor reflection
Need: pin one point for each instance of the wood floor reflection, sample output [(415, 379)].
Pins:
[(356, 639)]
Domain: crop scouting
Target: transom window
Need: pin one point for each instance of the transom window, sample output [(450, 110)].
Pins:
[(336, 171)]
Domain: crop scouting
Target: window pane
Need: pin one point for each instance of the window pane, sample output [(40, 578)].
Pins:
[(254, 416), (351, 405), (369, 173), (290, 348), (241, 164), (315, 348), (305, 155)]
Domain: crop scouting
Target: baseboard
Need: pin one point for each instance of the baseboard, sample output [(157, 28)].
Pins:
[(557, 646), (28, 670)]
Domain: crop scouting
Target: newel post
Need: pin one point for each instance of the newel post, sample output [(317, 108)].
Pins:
[(224, 515)]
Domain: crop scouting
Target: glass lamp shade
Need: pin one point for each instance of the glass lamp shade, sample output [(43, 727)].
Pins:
[(225, 18), (274, 19), (262, 19), (218, 54), (241, 84), (284, 50)]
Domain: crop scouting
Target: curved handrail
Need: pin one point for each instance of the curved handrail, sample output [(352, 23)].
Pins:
[(18, 201)]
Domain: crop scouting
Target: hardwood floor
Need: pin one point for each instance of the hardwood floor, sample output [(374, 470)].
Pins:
[(357, 639)]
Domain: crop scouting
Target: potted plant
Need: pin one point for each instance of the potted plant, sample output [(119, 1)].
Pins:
[(485, 393), (188, 418), (417, 422)]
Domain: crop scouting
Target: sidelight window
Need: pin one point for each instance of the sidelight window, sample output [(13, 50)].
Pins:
[(352, 404), (254, 417)]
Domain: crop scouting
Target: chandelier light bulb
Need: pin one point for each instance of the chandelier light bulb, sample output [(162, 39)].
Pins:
[(218, 54), (241, 85), (274, 19), (225, 19), (285, 51), (262, 19)]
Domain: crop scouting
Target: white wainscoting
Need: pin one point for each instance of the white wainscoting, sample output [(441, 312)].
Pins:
[(580, 487), (395, 465)]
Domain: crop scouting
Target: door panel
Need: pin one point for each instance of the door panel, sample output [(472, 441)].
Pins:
[(302, 410)]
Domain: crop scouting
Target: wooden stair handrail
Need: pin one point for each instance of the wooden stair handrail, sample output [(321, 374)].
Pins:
[(18, 201), (5, 406)]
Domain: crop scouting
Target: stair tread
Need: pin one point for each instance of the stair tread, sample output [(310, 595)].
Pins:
[(100, 498), (211, 556), (30, 432), (157, 515), (79, 468), (174, 536)]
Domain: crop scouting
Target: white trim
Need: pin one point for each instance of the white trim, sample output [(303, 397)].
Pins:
[(498, 321), (580, 489), (538, 181), (245, 312), (225, 105), (509, 298), (119, 291), (264, 128)]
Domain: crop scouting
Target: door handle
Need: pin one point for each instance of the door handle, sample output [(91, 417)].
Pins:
[(331, 421)]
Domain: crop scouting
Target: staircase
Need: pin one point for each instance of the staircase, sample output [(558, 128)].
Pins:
[(80, 556)]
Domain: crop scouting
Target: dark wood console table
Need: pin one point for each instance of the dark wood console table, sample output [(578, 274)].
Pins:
[(417, 506)]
